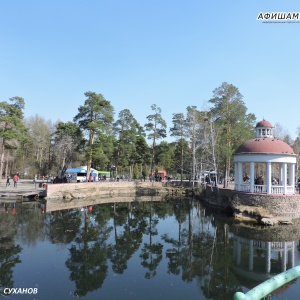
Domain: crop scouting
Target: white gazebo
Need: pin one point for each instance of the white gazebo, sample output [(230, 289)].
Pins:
[(263, 158)]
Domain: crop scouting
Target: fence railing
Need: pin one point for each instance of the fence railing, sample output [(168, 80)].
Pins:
[(270, 285), (257, 188)]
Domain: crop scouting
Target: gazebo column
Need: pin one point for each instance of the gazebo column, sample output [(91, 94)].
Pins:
[(239, 252), (284, 177), (291, 255), (291, 168), (251, 177), (240, 174), (268, 257), (269, 177), (237, 179), (281, 180), (284, 257), (250, 255)]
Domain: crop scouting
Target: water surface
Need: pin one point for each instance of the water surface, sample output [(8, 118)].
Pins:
[(173, 249)]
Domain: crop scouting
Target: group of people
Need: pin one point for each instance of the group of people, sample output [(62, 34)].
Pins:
[(15, 180)]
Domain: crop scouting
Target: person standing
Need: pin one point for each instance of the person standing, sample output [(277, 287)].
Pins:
[(15, 179), (7, 181)]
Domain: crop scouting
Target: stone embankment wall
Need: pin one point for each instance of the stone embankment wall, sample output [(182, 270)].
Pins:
[(103, 188), (263, 205)]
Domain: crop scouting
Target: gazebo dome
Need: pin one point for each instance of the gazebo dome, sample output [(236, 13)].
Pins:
[(264, 123), (265, 145), (264, 142)]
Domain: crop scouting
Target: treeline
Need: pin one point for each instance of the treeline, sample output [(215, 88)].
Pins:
[(203, 140)]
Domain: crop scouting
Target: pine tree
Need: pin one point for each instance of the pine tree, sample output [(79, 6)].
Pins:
[(95, 116), (12, 126)]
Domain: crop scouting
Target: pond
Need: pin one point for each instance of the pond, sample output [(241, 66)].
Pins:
[(174, 249)]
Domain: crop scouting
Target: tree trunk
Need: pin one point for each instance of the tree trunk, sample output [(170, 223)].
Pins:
[(90, 157), (152, 160), (181, 167), (2, 158), (6, 166)]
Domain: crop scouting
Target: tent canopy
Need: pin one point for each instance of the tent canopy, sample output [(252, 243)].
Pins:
[(75, 170), (81, 170)]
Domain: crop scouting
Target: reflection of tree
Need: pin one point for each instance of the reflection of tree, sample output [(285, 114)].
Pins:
[(198, 249), (8, 259), (30, 223), (8, 250), (181, 255), (173, 254), (128, 241), (188, 244), (219, 282), (201, 252), (88, 257), (152, 252), (63, 226)]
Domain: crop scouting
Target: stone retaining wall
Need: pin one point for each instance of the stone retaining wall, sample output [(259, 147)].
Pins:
[(102, 188), (260, 204)]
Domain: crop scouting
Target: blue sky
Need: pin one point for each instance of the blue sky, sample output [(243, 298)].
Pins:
[(142, 52)]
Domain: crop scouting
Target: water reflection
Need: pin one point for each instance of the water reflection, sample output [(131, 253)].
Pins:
[(137, 249), (260, 257)]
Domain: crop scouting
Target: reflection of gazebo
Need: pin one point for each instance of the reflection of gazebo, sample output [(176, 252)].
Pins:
[(271, 153), (258, 259)]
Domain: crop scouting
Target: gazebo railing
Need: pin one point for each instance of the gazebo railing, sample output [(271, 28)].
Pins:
[(260, 188), (279, 189), (263, 245), (275, 189), (290, 190), (244, 187)]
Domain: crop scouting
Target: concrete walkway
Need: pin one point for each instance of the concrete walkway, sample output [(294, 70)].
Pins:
[(25, 188)]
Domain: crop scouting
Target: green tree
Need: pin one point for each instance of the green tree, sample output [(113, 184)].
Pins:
[(157, 128), (145, 172), (41, 152), (95, 117), (164, 156), (194, 121), (142, 153), (13, 129), (182, 164), (103, 151), (136, 172), (126, 128), (179, 130), (68, 141), (230, 115)]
